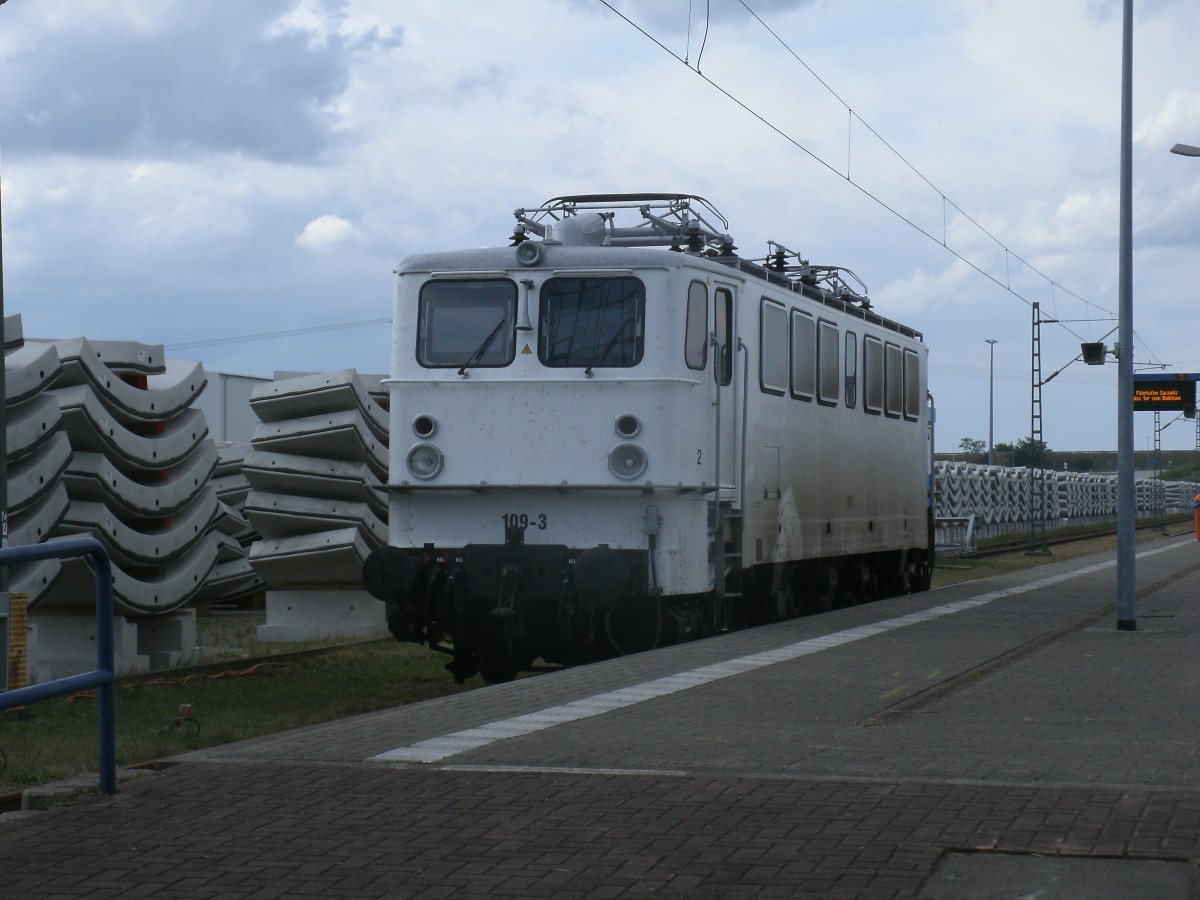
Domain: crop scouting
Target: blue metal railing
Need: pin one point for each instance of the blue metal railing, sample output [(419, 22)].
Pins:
[(104, 677)]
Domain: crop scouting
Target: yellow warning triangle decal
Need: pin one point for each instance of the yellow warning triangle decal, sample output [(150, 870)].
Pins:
[(526, 351)]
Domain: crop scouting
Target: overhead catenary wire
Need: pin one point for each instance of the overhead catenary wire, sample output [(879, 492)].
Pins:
[(1004, 284)]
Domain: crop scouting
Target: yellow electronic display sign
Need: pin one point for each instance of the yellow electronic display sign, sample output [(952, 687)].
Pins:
[(1163, 394)]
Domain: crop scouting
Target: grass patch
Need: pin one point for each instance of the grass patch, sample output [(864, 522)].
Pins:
[(57, 739)]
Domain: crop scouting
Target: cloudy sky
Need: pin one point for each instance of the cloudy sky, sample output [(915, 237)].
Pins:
[(238, 180)]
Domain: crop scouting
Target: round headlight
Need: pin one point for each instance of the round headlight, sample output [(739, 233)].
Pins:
[(425, 461), (628, 425), (627, 461), (424, 426)]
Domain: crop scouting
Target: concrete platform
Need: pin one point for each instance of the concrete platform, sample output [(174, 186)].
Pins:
[(871, 752)]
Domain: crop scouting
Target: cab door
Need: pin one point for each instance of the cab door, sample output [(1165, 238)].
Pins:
[(726, 381)]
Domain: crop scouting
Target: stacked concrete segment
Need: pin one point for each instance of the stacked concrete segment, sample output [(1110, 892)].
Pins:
[(232, 578), (139, 478), (999, 498), (317, 469), (103, 440), (38, 454)]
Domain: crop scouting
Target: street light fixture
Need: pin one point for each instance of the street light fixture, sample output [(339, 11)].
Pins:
[(991, 342), (1186, 150)]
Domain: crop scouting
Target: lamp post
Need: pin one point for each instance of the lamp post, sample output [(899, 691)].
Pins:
[(1126, 510), (991, 342)]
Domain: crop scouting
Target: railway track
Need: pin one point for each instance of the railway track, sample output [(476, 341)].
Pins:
[(1013, 546)]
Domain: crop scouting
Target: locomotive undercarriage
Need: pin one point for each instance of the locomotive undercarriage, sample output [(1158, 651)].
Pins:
[(498, 608)]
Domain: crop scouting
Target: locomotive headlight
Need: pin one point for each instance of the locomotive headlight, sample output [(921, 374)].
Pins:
[(424, 426), (627, 461), (628, 425), (425, 461)]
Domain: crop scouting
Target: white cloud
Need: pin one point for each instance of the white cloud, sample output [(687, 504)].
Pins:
[(325, 230), (158, 162)]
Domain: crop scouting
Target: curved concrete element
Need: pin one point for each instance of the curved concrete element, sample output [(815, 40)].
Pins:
[(288, 515), (34, 579), (312, 395), (338, 435), (38, 521), (128, 357), (229, 481), (172, 392), (31, 424), (29, 370), (325, 558), (999, 498), (311, 476), (135, 547), (167, 588), (36, 474), (92, 428), (232, 577), (14, 333), (92, 476)]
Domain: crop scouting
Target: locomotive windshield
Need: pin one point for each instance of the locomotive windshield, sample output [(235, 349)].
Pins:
[(592, 322), (466, 323)]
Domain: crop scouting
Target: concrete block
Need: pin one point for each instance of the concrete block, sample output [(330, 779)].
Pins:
[(174, 632), (66, 645), (322, 615)]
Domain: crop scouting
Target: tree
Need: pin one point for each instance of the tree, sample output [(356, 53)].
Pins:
[(1028, 452), (973, 449)]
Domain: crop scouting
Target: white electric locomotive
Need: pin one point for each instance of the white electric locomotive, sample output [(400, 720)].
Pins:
[(617, 434)]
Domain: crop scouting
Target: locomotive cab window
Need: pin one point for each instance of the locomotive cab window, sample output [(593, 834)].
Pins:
[(592, 322), (695, 339), (723, 322), (466, 323)]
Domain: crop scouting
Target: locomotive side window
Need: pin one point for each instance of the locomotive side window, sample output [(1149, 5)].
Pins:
[(592, 322), (723, 313), (912, 386), (773, 363), (695, 339), (466, 323), (829, 365), (851, 369), (804, 356), (872, 375), (894, 381)]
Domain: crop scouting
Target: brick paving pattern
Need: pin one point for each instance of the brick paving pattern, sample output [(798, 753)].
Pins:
[(1028, 725)]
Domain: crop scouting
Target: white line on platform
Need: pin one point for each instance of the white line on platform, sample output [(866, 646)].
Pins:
[(439, 748)]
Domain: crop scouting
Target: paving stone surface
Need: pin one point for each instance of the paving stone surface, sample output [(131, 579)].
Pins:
[(1021, 722)]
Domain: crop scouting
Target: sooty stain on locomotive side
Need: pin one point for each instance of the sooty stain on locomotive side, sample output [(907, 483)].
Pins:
[(624, 434)]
